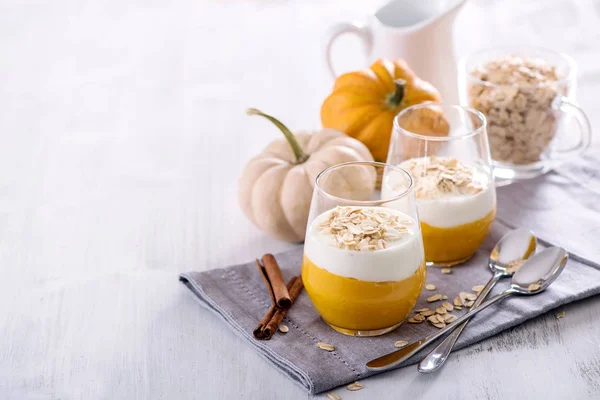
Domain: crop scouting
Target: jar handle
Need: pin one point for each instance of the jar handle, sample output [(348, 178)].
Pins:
[(563, 104)]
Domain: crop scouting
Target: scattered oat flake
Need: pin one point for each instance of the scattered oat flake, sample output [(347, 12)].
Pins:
[(477, 288), (447, 306), (430, 286), (420, 310), (458, 302), (354, 386), (427, 313), (470, 304), (414, 321), (400, 343), (444, 297), (514, 266), (433, 298), (471, 296), (441, 310), (333, 396), (446, 271), (284, 329), (533, 287), (560, 314), (325, 346), (458, 308), (433, 319), (419, 317), (463, 296), (450, 318), (440, 325)]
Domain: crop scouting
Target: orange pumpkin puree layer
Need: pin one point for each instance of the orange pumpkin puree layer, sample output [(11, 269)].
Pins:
[(458, 243), (361, 305)]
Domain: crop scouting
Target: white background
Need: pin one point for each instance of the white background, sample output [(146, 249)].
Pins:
[(123, 135)]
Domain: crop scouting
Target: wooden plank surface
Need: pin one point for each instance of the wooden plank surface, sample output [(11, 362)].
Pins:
[(123, 136)]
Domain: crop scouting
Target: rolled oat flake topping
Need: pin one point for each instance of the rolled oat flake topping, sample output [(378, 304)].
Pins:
[(438, 177), (364, 229)]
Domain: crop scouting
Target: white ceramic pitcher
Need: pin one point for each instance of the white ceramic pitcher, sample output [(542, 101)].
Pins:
[(417, 31)]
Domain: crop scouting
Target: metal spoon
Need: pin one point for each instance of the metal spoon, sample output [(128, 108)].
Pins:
[(534, 276), (514, 246)]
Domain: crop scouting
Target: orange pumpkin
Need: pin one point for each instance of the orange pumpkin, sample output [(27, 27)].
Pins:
[(363, 104)]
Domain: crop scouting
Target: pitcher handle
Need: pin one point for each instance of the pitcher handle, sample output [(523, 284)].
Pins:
[(563, 104), (360, 30)]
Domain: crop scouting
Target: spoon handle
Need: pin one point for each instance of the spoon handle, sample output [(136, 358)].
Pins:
[(438, 356), (396, 357)]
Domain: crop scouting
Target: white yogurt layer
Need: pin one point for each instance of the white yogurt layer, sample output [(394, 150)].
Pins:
[(447, 209), (451, 211), (398, 261)]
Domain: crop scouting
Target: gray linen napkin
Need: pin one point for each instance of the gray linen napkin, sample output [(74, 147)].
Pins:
[(237, 294), (562, 208)]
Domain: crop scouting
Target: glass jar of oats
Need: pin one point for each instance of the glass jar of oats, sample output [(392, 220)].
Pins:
[(525, 94)]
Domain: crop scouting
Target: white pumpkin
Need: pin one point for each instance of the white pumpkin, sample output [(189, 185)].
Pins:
[(276, 186)]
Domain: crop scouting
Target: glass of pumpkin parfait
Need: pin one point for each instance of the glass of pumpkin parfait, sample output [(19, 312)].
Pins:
[(363, 264), (454, 186)]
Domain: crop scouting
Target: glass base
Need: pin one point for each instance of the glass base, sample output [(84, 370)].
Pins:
[(448, 263), (354, 332)]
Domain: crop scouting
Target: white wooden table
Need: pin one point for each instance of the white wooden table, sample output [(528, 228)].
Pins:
[(122, 137)]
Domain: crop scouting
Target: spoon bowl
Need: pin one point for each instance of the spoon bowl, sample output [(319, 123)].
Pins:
[(542, 269), (518, 244)]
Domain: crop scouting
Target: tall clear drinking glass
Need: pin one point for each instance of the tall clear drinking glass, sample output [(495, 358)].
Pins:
[(363, 264), (445, 149)]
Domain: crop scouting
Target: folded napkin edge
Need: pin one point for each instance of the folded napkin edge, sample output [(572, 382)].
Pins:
[(296, 374)]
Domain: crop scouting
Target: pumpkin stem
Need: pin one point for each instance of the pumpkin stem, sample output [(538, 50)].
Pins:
[(398, 95), (301, 156)]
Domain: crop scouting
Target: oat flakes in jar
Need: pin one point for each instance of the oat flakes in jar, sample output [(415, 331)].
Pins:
[(525, 94)]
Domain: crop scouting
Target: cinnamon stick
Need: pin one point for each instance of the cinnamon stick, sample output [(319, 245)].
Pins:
[(259, 331), (273, 278), (275, 321)]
